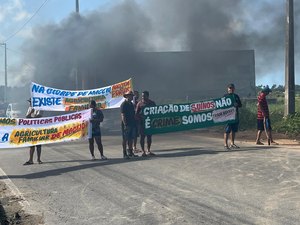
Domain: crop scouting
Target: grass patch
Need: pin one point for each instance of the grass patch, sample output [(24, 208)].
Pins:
[(289, 125)]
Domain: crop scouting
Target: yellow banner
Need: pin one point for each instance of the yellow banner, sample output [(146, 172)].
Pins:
[(22, 132)]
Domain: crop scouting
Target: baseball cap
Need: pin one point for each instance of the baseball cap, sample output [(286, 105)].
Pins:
[(128, 93), (266, 89), (231, 85)]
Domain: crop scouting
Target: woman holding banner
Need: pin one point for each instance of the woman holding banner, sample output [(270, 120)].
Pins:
[(33, 113), (97, 118)]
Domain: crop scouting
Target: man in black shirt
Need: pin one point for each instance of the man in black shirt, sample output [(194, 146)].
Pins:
[(128, 124), (232, 128)]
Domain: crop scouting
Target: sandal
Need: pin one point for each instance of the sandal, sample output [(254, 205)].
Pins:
[(28, 163), (137, 150), (259, 143)]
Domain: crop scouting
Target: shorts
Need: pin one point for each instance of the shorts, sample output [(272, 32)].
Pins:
[(129, 132), (136, 131), (261, 126), (37, 146), (141, 130), (96, 132), (232, 127)]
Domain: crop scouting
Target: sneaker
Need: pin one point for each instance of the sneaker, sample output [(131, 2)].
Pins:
[(234, 146), (136, 150), (226, 148), (144, 155), (93, 158), (103, 157), (130, 153)]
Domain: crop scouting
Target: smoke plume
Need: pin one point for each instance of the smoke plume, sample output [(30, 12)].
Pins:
[(101, 45)]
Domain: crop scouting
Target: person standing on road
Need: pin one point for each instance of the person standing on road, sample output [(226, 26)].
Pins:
[(97, 118), (263, 117), (232, 128), (135, 102), (128, 125), (33, 113), (145, 102)]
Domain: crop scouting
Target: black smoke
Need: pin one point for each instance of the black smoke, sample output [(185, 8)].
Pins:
[(105, 44)]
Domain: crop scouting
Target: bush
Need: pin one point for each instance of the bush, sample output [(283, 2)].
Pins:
[(248, 116), (289, 125)]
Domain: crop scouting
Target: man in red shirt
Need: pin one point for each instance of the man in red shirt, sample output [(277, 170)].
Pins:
[(145, 102), (263, 117)]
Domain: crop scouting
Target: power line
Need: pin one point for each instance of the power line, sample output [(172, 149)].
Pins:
[(15, 51), (11, 36), (26, 64)]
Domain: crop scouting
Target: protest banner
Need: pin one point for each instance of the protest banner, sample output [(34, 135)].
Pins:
[(22, 132), (178, 117), (52, 99)]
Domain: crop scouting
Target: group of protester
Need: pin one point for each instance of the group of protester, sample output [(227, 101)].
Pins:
[(263, 118), (132, 124)]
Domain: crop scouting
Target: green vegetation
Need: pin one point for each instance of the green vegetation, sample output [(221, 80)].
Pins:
[(289, 125)]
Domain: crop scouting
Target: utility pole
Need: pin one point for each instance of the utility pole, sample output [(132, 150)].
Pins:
[(77, 6), (289, 104), (76, 66), (82, 81), (5, 72)]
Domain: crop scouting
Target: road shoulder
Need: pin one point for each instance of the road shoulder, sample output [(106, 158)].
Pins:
[(13, 208)]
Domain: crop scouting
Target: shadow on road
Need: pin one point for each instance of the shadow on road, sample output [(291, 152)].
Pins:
[(199, 151), (165, 153), (183, 152)]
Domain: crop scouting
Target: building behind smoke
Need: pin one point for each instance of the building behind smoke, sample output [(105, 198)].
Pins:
[(168, 76), (182, 76)]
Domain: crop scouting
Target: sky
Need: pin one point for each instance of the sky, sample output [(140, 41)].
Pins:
[(37, 29)]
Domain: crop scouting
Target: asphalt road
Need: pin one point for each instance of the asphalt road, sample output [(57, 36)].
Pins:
[(192, 180)]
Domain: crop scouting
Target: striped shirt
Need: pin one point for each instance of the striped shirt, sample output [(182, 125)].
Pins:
[(262, 106)]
